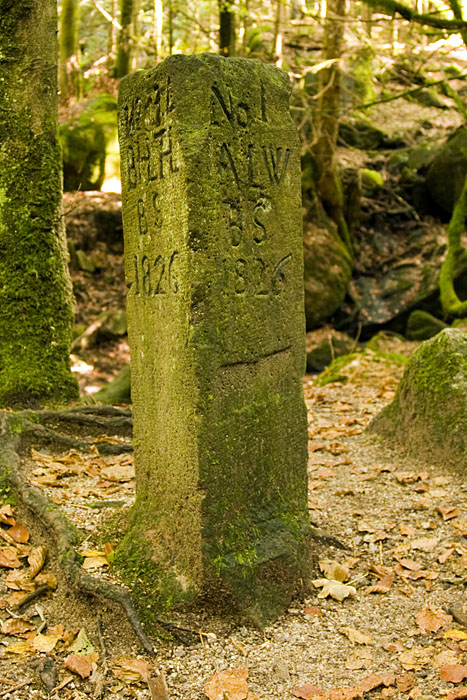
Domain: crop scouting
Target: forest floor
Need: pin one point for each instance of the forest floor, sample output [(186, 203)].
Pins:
[(402, 525)]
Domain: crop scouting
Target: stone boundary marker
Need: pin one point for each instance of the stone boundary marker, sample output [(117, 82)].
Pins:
[(210, 165)]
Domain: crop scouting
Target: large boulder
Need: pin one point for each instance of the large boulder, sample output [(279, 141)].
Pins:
[(328, 268), (446, 174), (428, 416)]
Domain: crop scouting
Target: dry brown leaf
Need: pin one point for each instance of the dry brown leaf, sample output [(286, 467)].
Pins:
[(432, 620), (8, 558), (19, 581), (46, 579), (131, 669), (308, 692), (228, 685), (16, 626), (45, 643), (447, 554), (383, 586), (414, 659), (444, 658), (407, 530), (406, 477), (394, 647), (81, 665), (457, 693), (95, 562), (453, 673), (312, 610), (21, 648), (6, 515), (158, 688), (355, 636), (334, 570), (19, 532), (325, 473), (119, 472), (37, 560), (426, 544), (405, 682), (335, 589), (455, 634), (448, 512), (376, 680)]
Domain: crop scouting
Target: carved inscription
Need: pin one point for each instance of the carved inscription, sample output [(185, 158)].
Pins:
[(262, 165), (155, 276), (250, 274)]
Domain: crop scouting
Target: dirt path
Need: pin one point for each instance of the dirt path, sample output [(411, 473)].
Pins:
[(402, 525)]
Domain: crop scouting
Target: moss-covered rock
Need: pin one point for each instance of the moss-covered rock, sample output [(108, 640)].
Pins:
[(428, 416), (324, 345), (118, 390), (372, 182), (446, 174), (362, 134), (359, 366), (421, 325)]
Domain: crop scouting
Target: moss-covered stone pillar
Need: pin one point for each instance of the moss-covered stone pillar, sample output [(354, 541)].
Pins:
[(214, 266), (35, 289)]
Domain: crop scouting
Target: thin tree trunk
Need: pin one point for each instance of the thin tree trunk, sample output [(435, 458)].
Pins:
[(123, 58), (158, 27), (277, 36), (226, 28), (328, 182), (35, 290), (69, 71), (171, 27)]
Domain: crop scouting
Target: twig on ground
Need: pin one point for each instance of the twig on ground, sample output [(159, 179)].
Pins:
[(15, 687)]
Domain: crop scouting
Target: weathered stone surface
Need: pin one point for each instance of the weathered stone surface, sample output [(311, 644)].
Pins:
[(325, 344), (421, 325), (428, 415), (214, 266)]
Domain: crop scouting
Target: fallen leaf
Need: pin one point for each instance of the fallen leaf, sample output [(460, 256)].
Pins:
[(447, 554), (8, 558), (6, 515), (37, 560), (376, 680), (325, 473), (95, 562), (335, 589), (81, 645), (407, 530), (406, 477), (334, 570), (355, 636), (228, 685), (457, 693), (21, 647), (313, 610), (448, 512), (119, 472), (45, 643), (453, 673), (46, 579), (16, 626), (383, 585), (308, 692), (414, 659), (426, 544), (444, 658), (131, 670), (394, 647), (432, 620), (19, 581), (405, 682), (81, 665), (158, 688), (455, 634), (19, 533)]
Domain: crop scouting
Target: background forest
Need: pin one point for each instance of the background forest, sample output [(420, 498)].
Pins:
[(378, 99)]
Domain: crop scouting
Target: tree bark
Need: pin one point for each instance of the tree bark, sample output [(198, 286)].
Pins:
[(35, 290), (226, 28), (68, 50), (328, 182), (123, 58)]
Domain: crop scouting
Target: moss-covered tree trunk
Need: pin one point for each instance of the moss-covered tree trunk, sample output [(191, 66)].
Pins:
[(35, 289), (69, 73), (457, 255), (123, 59)]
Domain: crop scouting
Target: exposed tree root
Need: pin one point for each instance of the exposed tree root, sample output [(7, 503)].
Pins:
[(66, 536)]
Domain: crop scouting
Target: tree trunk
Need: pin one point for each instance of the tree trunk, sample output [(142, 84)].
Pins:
[(123, 58), (158, 25), (328, 183), (226, 28), (69, 71), (457, 255), (35, 290)]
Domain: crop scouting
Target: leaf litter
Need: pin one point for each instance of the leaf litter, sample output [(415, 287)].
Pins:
[(377, 624)]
